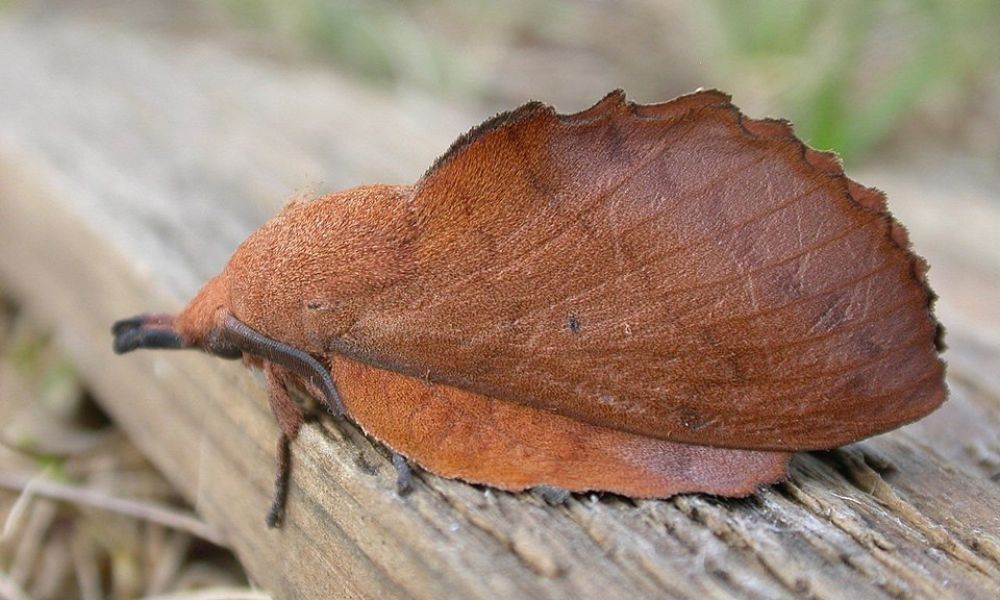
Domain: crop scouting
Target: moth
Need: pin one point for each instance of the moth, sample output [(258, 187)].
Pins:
[(639, 299)]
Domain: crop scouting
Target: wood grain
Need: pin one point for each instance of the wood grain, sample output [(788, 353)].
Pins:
[(131, 166)]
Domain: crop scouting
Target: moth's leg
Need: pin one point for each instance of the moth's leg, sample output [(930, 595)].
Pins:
[(552, 495), (289, 417), (404, 475), (286, 411), (284, 462)]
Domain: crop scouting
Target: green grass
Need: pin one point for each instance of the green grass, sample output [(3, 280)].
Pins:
[(848, 73), (378, 40), (920, 49)]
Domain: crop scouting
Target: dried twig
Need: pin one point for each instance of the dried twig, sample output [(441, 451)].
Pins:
[(147, 511)]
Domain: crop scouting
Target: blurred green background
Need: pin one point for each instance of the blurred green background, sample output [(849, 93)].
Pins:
[(852, 75), (855, 76)]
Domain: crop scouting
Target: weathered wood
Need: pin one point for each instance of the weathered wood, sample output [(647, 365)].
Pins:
[(131, 166)]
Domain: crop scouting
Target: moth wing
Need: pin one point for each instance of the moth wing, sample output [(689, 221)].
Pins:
[(673, 270)]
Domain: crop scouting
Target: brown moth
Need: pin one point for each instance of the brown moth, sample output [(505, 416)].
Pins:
[(640, 299)]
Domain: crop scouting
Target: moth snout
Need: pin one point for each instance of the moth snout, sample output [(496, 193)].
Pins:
[(146, 331)]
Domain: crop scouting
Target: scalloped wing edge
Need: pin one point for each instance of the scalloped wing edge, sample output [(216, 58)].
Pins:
[(614, 101), (869, 199)]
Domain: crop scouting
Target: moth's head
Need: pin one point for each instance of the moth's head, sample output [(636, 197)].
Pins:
[(198, 326), (310, 272), (208, 324)]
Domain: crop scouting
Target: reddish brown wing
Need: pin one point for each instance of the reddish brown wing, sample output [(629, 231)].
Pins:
[(459, 434), (672, 270)]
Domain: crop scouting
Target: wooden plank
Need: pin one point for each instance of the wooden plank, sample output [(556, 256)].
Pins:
[(131, 166)]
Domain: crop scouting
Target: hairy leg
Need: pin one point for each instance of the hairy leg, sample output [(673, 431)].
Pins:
[(289, 417)]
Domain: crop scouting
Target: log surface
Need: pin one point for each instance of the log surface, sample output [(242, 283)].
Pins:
[(131, 165)]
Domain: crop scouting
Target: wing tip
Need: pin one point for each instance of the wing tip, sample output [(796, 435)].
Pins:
[(872, 200)]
